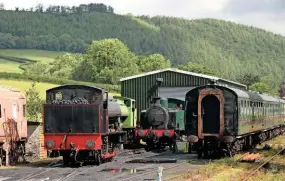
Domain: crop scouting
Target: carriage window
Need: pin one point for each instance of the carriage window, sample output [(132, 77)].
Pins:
[(247, 108), (14, 111), (24, 110), (241, 108)]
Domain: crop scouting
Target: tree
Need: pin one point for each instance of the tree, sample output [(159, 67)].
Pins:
[(249, 79), (34, 103), (40, 8), (260, 87), (39, 68), (153, 62), (198, 68), (64, 66), (2, 7), (107, 61)]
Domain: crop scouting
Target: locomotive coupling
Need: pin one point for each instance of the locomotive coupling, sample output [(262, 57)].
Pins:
[(72, 145), (228, 139), (193, 139)]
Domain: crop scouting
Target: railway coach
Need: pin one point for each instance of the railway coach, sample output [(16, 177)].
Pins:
[(227, 120)]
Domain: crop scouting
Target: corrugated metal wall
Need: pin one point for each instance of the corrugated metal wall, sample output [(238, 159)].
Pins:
[(143, 89)]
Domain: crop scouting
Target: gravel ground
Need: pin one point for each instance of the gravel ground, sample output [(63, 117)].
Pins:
[(119, 169)]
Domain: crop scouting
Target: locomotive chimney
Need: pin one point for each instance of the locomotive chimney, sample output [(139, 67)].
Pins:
[(156, 100), (161, 101)]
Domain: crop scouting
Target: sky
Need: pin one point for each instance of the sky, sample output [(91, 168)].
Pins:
[(265, 14)]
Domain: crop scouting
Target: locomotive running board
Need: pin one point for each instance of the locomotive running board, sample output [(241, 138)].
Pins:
[(219, 95)]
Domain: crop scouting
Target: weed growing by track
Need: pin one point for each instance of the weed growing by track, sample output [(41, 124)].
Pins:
[(230, 169)]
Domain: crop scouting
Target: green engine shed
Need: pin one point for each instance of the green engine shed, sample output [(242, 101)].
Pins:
[(168, 82)]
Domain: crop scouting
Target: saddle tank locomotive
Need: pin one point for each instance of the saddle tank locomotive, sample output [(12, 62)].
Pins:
[(162, 123), (83, 123)]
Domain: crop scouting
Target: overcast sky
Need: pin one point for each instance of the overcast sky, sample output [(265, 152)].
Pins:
[(266, 14)]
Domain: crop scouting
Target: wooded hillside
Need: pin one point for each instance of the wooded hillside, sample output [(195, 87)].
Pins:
[(234, 51)]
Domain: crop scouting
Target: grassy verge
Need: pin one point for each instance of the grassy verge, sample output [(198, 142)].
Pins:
[(230, 169)]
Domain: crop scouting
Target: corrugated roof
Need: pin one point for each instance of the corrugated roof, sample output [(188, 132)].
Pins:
[(179, 71)]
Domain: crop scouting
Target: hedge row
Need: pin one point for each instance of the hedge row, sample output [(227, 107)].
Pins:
[(15, 59), (53, 80)]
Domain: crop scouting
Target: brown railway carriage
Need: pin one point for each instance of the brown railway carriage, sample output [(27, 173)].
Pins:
[(217, 114), (13, 123)]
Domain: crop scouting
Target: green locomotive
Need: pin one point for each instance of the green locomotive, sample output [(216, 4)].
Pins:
[(162, 123), (123, 115)]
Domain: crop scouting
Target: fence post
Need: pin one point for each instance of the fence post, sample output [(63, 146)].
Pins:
[(159, 174)]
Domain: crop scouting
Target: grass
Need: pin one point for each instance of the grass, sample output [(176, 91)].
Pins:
[(9, 66), (229, 169), (25, 85), (31, 54)]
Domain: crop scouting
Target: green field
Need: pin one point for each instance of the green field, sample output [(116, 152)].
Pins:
[(8, 65), (25, 85), (37, 55)]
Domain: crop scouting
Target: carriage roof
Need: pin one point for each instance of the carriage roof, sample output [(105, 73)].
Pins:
[(247, 94)]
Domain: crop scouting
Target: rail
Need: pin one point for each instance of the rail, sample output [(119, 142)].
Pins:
[(267, 161)]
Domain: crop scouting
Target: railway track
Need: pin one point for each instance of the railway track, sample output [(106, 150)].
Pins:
[(126, 156), (135, 177), (46, 169), (257, 168)]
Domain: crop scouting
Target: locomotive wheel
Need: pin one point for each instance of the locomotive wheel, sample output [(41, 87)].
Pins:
[(98, 159), (66, 159), (206, 153), (199, 153)]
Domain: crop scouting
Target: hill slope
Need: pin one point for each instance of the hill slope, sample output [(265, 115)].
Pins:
[(232, 49)]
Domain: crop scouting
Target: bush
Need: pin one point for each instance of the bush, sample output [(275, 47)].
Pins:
[(53, 80)]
